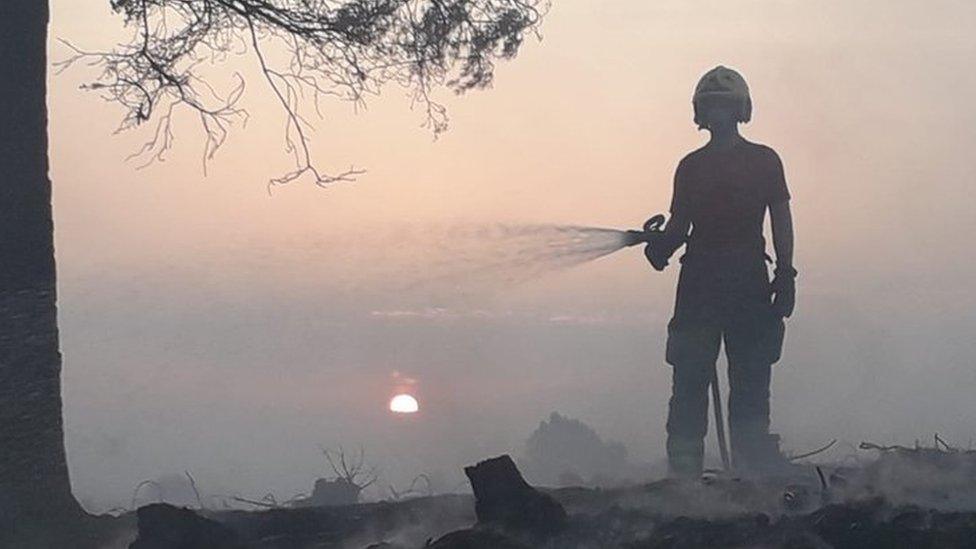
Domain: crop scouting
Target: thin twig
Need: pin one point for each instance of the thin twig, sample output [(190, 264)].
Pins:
[(256, 503), (823, 480), (820, 450), (940, 440), (193, 484)]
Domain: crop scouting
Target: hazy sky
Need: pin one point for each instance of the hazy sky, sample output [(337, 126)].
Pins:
[(209, 327)]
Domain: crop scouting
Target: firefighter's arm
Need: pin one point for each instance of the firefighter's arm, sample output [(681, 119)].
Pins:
[(784, 280), (782, 221), (676, 232)]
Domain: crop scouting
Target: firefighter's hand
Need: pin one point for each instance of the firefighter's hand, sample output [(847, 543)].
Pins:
[(784, 291), (654, 256)]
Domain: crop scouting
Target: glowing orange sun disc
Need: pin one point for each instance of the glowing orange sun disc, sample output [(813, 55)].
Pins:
[(404, 404)]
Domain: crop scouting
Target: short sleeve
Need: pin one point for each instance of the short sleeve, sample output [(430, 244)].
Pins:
[(776, 189), (679, 199)]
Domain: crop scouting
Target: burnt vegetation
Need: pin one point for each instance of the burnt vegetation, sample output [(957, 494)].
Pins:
[(307, 51), (892, 496), (352, 476), (906, 497)]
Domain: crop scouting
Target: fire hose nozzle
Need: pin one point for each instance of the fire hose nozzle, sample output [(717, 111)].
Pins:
[(651, 228), (633, 238)]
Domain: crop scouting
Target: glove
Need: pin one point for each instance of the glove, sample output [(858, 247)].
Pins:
[(784, 290), (655, 251)]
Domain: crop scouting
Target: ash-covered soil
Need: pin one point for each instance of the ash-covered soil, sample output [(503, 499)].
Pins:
[(908, 497)]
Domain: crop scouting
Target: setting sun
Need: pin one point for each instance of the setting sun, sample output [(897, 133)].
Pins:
[(404, 404)]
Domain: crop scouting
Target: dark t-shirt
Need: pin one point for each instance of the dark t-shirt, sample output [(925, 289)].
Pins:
[(725, 193)]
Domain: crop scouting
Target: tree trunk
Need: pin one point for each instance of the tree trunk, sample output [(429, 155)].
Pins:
[(35, 493)]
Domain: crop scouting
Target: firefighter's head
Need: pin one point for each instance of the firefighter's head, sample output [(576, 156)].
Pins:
[(721, 98)]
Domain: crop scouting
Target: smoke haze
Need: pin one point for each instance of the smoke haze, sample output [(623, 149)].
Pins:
[(211, 328)]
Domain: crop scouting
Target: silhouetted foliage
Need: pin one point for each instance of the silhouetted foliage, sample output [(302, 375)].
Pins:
[(566, 451), (306, 49)]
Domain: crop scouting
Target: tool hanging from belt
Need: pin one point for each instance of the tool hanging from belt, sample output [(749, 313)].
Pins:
[(653, 235)]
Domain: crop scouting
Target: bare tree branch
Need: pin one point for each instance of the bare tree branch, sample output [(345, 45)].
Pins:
[(307, 50), (356, 472)]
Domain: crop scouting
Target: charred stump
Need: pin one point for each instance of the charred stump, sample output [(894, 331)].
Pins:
[(504, 500)]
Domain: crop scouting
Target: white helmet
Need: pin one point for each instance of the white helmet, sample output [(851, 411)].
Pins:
[(723, 82)]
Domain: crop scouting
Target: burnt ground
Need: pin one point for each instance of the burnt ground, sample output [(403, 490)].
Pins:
[(908, 497)]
